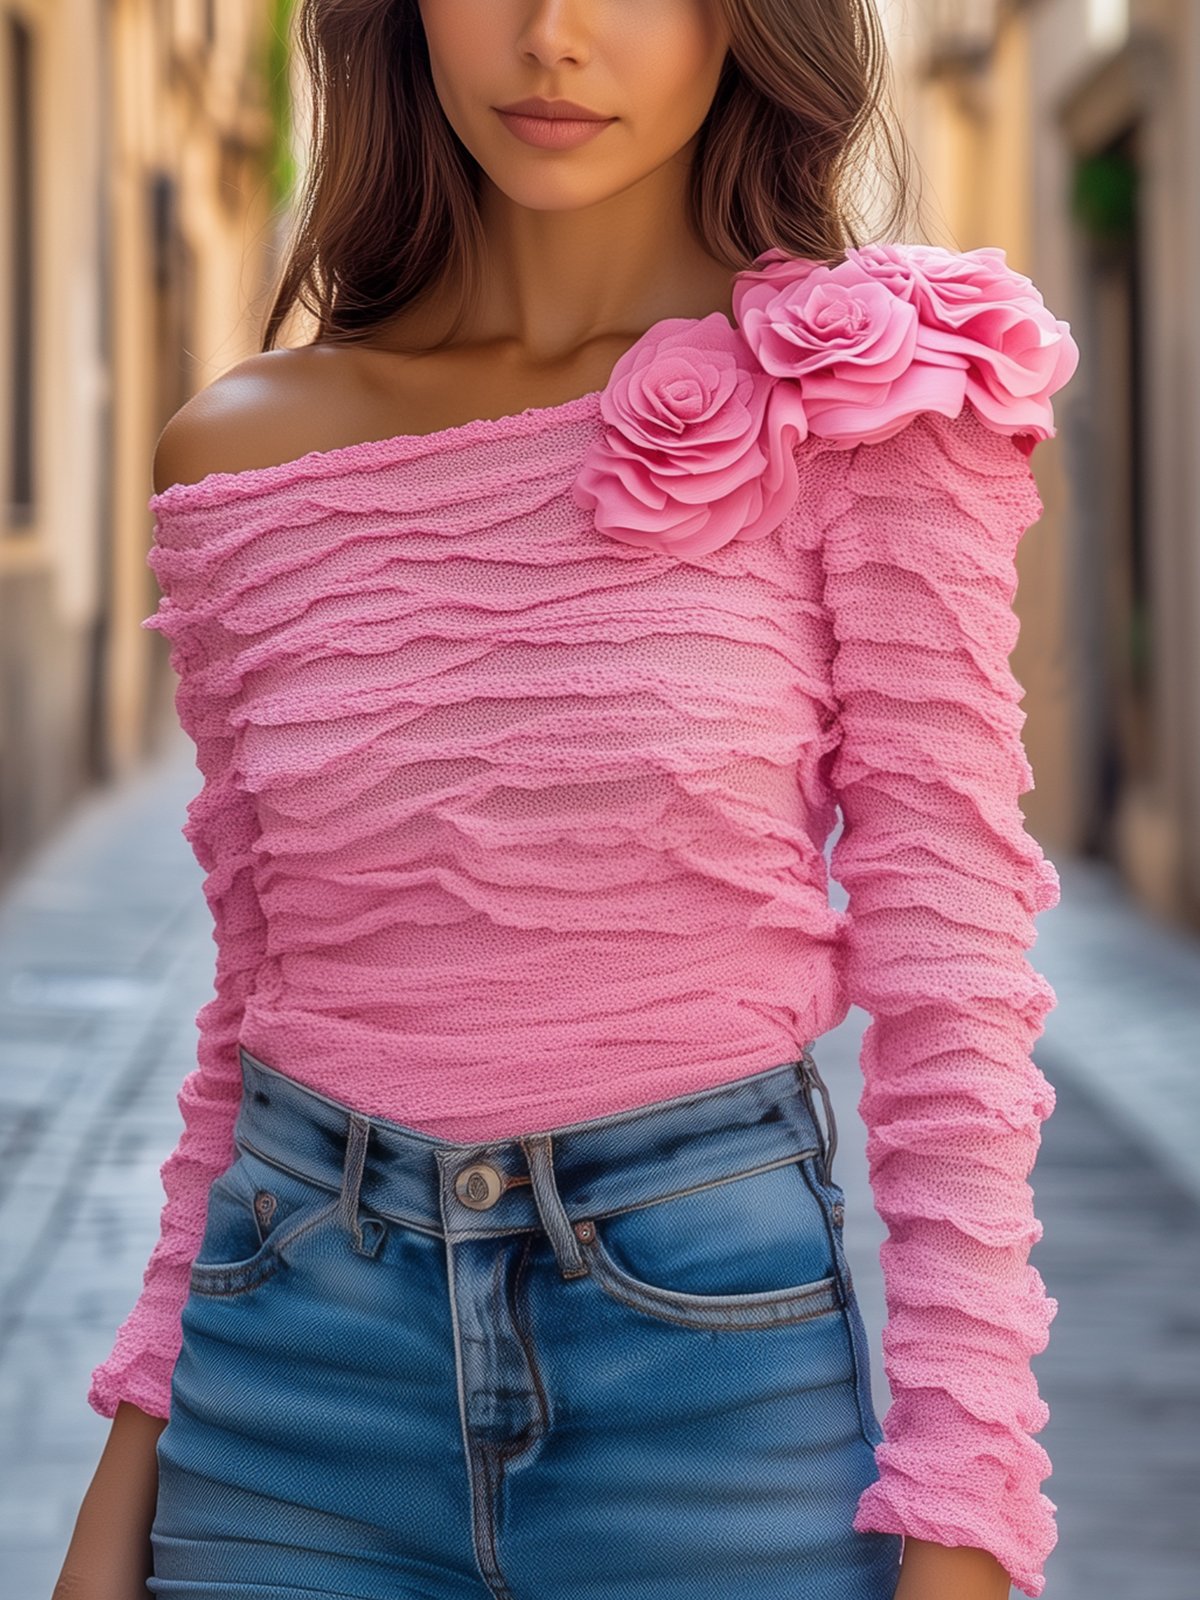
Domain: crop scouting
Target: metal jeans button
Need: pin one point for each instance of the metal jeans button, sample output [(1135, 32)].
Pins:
[(479, 1186)]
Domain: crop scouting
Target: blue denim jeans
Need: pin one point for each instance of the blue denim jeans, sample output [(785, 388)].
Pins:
[(620, 1359)]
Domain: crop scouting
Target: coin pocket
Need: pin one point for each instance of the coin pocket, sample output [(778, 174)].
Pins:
[(254, 1209)]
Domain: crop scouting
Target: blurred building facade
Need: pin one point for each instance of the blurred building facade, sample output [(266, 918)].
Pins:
[(136, 223), (1068, 132)]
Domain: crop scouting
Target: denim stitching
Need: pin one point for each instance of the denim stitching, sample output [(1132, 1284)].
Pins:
[(213, 1278), (828, 1195), (407, 1220), (794, 1159), (720, 1311)]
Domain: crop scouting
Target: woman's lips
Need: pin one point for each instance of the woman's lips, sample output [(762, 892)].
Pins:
[(552, 133)]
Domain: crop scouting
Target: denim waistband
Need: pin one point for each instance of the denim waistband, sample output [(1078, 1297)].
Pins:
[(599, 1166)]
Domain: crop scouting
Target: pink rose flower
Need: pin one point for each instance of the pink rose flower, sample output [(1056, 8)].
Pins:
[(693, 450), (973, 305), (851, 343), (979, 331)]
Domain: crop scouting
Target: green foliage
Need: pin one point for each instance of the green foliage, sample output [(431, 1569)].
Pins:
[(1104, 194), (281, 163)]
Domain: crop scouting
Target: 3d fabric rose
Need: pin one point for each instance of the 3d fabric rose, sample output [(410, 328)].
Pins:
[(894, 329), (701, 419), (689, 457)]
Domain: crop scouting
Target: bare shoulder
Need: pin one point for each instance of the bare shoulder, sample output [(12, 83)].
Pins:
[(264, 410)]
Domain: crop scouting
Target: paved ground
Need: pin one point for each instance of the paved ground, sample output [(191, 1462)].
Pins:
[(106, 955)]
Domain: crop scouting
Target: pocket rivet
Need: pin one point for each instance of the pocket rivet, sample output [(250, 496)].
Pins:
[(839, 1213), (264, 1206), (585, 1231)]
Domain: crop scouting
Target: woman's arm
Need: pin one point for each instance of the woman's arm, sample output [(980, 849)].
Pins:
[(919, 535), (949, 1572), (109, 1557), (222, 829)]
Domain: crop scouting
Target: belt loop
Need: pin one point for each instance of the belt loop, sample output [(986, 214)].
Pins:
[(539, 1154), (358, 1133), (809, 1075)]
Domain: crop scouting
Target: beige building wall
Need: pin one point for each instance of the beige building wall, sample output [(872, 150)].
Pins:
[(136, 239), (1064, 131)]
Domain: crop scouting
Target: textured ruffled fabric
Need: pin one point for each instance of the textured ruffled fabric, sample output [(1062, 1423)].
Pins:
[(513, 817), (222, 829), (919, 535), (507, 825)]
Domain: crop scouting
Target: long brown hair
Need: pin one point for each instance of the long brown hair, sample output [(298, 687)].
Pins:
[(801, 115)]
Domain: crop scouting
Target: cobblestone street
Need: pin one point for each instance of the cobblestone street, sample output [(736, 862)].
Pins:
[(106, 955)]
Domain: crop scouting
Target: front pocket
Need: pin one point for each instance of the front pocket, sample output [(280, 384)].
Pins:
[(255, 1212), (746, 1251)]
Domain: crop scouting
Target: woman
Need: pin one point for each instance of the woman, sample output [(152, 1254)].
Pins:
[(622, 521)]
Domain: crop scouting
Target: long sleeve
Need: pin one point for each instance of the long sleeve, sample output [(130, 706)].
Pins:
[(221, 828), (919, 534)]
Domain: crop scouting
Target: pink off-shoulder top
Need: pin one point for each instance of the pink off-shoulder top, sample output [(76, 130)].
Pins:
[(521, 743)]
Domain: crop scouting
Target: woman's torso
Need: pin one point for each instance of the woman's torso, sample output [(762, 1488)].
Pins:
[(540, 816)]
